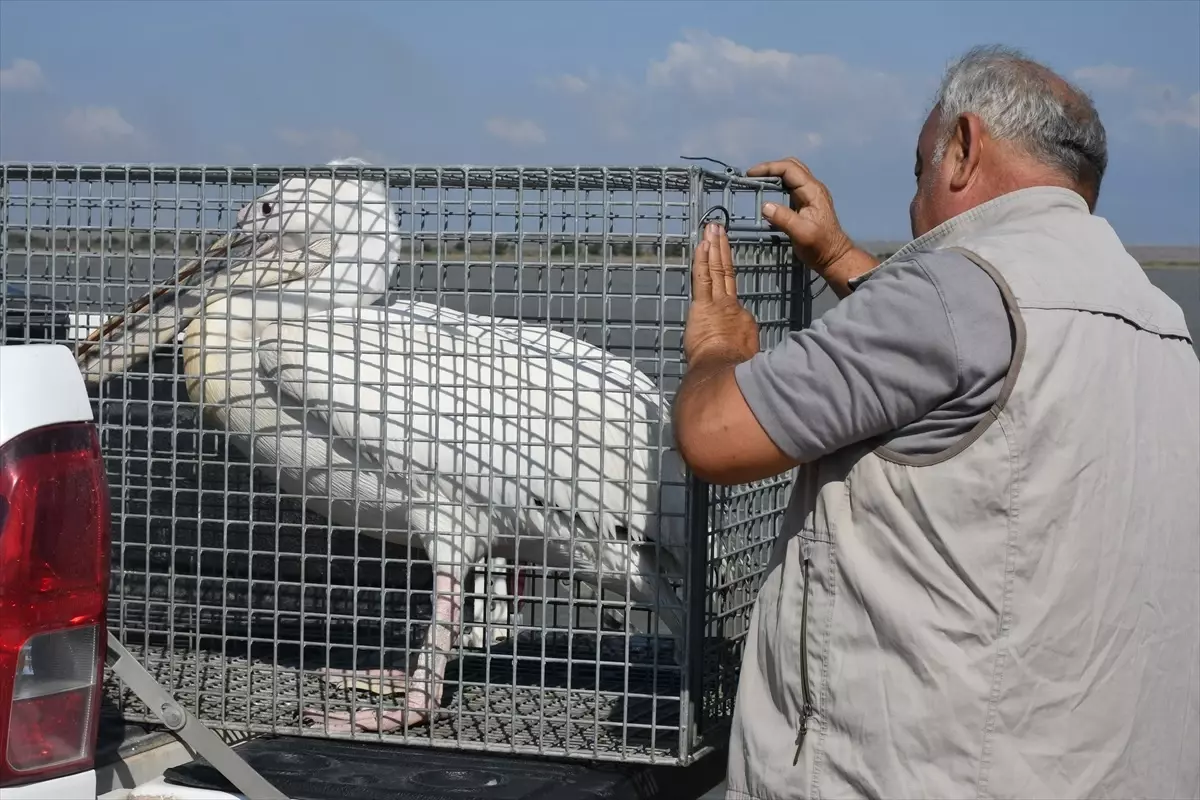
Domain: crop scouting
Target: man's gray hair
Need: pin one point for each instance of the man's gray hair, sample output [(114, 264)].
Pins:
[(1027, 104)]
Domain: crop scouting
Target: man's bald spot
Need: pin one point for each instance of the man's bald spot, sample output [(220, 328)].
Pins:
[(1037, 112), (1078, 107)]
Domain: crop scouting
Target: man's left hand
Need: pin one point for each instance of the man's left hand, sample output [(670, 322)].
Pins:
[(718, 326), (716, 433)]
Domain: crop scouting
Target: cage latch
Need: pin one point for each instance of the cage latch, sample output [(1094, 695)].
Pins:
[(729, 170)]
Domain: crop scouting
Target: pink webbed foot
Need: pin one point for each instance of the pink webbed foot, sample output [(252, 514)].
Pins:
[(424, 682), (379, 683)]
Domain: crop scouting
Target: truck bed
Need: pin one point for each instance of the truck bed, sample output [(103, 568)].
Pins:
[(320, 769), (131, 754)]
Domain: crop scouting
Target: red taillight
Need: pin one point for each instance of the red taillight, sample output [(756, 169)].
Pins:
[(54, 563)]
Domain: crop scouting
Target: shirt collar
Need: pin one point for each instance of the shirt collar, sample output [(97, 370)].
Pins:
[(1013, 205)]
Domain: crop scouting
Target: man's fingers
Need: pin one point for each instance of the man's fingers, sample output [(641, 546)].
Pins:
[(722, 259), (767, 169), (770, 169), (791, 171), (713, 260), (702, 290), (786, 220), (804, 189), (713, 277), (720, 262), (797, 179)]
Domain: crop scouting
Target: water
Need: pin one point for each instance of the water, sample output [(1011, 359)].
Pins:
[(1183, 286), (645, 307)]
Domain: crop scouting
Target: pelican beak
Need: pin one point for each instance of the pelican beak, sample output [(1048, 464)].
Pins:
[(156, 318)]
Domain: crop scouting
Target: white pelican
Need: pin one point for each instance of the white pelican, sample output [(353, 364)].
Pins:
[(468, 433), (366, 283)]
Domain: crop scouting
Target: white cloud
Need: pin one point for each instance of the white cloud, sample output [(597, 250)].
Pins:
[(711, 96), (1187, 114), (567, 83), (516, 131), (326, 145), (1105, 76), (99, 126), (708, 67), (23, 76), (1153, 103), (706, 64), (335, 139)]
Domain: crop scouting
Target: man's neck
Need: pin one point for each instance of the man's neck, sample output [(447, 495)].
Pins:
[(1014, 172)]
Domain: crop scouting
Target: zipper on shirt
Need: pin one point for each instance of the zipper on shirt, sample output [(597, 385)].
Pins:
[(806, 711)]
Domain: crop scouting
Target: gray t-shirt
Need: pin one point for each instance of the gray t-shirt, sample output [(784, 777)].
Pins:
[(915, 355)]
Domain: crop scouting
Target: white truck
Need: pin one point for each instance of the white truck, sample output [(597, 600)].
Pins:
[(57, 742), (54, 562)]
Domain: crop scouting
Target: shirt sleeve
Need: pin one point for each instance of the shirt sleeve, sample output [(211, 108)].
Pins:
[(882, 358)]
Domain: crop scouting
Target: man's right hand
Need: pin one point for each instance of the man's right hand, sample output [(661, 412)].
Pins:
[(812, 225)]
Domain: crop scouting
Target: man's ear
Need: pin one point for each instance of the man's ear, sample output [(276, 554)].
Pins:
[(965, 150)]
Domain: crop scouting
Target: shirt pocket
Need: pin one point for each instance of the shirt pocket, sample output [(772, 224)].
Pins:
[(814, 594)]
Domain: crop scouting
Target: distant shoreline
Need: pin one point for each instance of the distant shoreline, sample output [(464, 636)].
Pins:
[(1150, 256), (562, 248)]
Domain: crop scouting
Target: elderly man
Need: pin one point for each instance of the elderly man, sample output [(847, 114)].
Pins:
[(987, 583)]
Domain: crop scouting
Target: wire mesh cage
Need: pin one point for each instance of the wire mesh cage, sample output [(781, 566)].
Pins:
[(459, 428)]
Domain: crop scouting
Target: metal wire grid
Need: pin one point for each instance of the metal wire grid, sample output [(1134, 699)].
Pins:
[(230, 591), (742, 521)]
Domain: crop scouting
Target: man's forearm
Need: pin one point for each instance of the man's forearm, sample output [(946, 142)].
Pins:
[(716, 433), (698, 389), (698, 408)]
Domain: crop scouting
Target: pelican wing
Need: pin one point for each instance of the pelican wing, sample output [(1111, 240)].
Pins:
[(481, 412)]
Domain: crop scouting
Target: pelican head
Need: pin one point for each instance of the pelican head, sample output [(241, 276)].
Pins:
[(328, 241)]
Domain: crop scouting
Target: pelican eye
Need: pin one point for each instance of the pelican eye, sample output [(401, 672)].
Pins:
[(266, 209)]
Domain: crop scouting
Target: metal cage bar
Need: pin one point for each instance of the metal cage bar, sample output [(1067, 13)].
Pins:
[(236, 594)]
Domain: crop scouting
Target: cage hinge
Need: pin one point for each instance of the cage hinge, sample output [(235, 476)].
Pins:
[(193, 732)]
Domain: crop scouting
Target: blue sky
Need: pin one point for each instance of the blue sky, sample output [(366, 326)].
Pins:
[(844, 86)]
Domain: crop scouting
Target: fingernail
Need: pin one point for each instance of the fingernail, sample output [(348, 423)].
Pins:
[(769, 209)]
